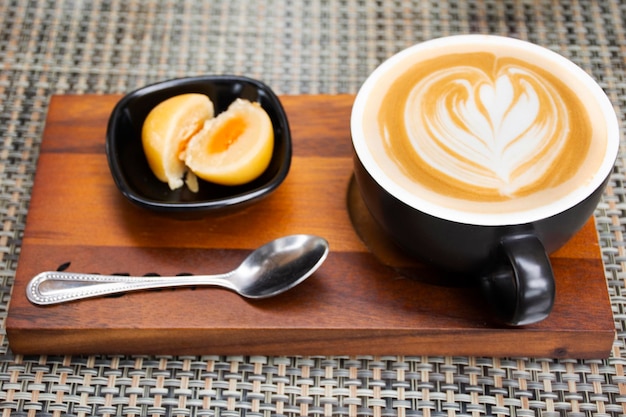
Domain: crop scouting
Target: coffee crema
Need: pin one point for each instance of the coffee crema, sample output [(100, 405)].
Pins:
[(486, 127)]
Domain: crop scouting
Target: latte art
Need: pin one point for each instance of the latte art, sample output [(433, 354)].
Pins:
[(481, 130), (499, 131), (484, 128)]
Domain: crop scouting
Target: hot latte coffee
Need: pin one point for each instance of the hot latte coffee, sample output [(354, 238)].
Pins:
[(482, 155), (482, 127)]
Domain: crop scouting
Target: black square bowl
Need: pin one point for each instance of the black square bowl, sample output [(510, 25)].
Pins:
[(129, 166)]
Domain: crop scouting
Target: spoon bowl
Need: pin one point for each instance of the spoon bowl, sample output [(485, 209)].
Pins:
[(269, 270)]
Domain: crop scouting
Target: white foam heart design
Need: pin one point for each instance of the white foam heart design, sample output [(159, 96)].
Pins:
[(500, 131)]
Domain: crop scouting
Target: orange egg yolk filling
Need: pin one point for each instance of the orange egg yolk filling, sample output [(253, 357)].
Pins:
[(227, 134)]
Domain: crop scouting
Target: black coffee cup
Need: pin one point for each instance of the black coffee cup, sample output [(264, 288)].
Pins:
[(507, 252)]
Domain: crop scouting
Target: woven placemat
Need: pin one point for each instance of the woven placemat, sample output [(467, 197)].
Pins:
[(317, 46)]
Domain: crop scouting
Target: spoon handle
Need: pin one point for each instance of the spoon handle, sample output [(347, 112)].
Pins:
[(59, 287)]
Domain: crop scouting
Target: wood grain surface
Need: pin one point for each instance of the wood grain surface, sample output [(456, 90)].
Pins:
[(361, 301)]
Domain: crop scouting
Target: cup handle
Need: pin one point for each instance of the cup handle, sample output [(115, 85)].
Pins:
[(520, 285)]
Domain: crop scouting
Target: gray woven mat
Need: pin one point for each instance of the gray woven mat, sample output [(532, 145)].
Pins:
[(314, 46)]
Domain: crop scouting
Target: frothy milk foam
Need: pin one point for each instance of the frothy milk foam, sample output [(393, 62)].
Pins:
[(491, 130)]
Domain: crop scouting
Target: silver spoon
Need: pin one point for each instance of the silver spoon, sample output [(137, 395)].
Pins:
[(269, 270)]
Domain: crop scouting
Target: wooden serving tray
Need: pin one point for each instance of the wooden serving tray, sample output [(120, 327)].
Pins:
[(360, 301)]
